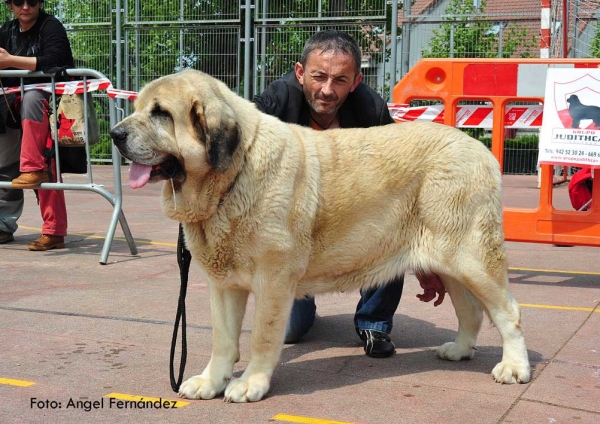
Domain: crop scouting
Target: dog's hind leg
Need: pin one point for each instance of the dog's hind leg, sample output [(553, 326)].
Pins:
[(514, 367), (503, 309), (227, 310), (470, 316)]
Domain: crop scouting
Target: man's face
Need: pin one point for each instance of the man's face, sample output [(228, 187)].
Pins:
[(327, 79)]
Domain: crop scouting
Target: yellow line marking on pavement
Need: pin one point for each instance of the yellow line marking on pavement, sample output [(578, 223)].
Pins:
[(124, 396), (564, 308), (123, 239), (555, 271), (306, 420), (20, 383)]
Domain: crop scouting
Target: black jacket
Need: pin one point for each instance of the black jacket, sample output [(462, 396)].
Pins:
[(46, 40), (285, 99)]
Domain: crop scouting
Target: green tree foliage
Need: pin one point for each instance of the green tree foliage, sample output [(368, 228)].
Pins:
[(472, 38)]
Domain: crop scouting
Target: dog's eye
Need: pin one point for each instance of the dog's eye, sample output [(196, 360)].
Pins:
[(157, 112)]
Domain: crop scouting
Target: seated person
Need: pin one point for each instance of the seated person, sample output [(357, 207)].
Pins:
[(34, 41)]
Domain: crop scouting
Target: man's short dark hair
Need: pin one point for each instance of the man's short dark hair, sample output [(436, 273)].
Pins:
[(335, 40)]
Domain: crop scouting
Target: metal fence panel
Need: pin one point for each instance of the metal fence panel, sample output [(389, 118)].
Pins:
[(81, 12), (294, 10), (177, 12), (155, 51)]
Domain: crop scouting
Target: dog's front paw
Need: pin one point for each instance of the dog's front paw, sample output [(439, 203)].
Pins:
[(506, 373), (453, 351), (199, 387), (251, 390)]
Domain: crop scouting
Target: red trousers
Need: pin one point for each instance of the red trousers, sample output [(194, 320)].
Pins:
[(36, 131)]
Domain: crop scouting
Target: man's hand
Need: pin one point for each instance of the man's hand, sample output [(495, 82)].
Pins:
[(432, 286)]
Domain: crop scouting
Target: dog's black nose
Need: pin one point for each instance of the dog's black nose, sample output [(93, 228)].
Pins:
[(119, 135)]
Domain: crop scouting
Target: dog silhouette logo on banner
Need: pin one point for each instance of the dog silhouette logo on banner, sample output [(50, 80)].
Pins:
[(579, 112)]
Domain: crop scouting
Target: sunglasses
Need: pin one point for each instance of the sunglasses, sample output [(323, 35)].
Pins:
[(20, 3)]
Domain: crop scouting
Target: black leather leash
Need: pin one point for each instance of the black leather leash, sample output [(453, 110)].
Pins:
[(184, 258)]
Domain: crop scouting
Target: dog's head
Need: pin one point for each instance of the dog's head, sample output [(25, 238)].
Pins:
[(573, 100), (183, 130), (178, 118)]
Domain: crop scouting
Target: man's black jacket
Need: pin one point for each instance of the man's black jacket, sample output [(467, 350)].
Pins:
[(47, 41), (284, 99)]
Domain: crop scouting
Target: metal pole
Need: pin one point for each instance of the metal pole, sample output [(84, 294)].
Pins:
[(263, 47), (247, 52), (500, 41), (319, 13), (181, 15), (575, 28), (406, 38), (137, 46), (546, 33), (60, 16), (393, 47), (451, 52), (118, 49), (565, 27)]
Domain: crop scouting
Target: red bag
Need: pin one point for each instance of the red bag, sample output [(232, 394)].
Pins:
[(579, 188)]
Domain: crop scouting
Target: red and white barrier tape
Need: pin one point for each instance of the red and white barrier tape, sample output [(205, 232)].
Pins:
[(466, 116), (522, 117), (77, 87), (121, 94)]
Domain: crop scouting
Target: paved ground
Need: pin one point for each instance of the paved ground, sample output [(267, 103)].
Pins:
[(81, 331)]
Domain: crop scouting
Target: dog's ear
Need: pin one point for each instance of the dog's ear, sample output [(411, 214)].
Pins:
[(217, 128)]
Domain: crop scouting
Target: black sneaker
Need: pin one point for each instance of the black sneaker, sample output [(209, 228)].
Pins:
[(377, 344), (6, 237)]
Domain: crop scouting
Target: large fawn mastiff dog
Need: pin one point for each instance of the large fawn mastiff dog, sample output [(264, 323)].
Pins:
[(280, 210)]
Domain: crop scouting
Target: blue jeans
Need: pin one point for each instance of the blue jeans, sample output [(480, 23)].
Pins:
[(11, 201), (375, 311)]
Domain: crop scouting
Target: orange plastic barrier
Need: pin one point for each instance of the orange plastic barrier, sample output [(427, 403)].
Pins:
[(501, 81)]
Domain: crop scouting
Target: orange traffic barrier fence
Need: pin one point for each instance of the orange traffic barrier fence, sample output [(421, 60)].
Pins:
[(500, 82)]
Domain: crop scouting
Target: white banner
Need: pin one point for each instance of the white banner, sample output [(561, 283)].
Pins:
[(570, 132)]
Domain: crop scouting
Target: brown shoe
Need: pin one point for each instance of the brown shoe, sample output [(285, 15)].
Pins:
[(47, 242), (30, 179)]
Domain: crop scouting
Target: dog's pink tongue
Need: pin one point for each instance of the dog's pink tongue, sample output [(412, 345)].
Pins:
[(139, 175)]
